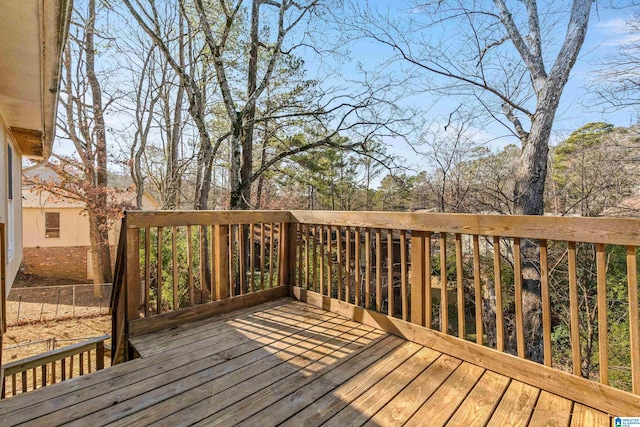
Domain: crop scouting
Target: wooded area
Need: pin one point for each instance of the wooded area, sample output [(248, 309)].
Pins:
[(247, 104)]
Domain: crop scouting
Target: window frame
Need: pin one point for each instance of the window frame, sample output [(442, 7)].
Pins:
[(51, 232)]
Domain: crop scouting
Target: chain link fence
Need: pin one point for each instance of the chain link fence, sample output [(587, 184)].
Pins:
[(33, 304)]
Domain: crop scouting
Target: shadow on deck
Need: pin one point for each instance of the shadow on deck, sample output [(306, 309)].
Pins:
[(291, 363)]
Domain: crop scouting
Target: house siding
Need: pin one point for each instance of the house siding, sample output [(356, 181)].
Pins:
[(14, 231)]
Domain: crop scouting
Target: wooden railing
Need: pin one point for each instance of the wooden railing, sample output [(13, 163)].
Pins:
[(52, 367), (169, 261), (537, 289)]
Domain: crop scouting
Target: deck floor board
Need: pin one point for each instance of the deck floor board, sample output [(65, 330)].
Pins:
[(289, 363)]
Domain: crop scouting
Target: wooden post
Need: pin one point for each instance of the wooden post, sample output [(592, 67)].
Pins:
[(132, 293), (417, 277), (291, 247), (222, 261), (100, 355)]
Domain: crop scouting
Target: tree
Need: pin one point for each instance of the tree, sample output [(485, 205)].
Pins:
[(84, 177), (618, 76), (497, 55)]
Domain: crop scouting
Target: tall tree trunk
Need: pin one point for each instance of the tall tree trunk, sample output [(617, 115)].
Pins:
[(529, 200), (100, 224)]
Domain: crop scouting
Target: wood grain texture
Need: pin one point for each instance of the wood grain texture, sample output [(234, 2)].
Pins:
[(584, 416), (615, 231), (598, 396), (444, 295), (418, 274), (517, 283), (546, 302), (460, 287), (634, 320), (444, 402), (202, 311), (497, 283), (516, 406), (478, 406), (603, 329), (138, 219), (411, 398), (573, 309), (551, 410)]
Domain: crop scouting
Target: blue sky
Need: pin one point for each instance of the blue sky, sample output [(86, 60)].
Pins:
[(606, 32)]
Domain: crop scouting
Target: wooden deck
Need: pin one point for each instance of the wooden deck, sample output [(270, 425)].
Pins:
[(289, 363)]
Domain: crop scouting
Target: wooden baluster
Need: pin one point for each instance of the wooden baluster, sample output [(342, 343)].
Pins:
[(339, 262), (390, 290), (477, 289), (418, 275), (404, 296), (460, 287), (271, 259), (222, 261), (546, 302), (231, 233), (323, 254), (242, 267), (133, 274), (202, 260), (44, 375), (63, 369), (53, 372), (314, 268), (428, 301), (358, 285), (444, 296), (299, 246), (367, 268), (306, 256), (174, 267), (89, 361), (82, 363), (24, 380), (329, 264), (190, 262), (378, 270), (147, 270), (497, 276), (573, 308), (252, 256), (632, 277), (262, 260), (13, 385), (347, 264), (517, 279), (213, 261), (34, 379), (603, 328), (159, 272), (71, 367)]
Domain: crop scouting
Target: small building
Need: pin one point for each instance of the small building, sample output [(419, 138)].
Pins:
[(55, 231)]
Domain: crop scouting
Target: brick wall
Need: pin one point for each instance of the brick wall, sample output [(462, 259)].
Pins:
[(65, 262)]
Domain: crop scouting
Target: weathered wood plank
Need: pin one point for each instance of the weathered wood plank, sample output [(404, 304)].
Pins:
[(477, 408), (317, 411), (198, 312), (372, 400), (327, 384), (599, 396), (230, 407), (551, 410), (444, 402), (138, 219), (615, 231), (411, 398), (516, 405), (585, 416)]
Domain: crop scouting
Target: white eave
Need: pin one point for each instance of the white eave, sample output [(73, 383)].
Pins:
[(32, 37)]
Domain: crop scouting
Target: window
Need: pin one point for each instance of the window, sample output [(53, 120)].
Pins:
[(52, 224)]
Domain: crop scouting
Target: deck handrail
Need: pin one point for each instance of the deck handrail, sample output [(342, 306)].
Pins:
[(435, 271), (46, 362)]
